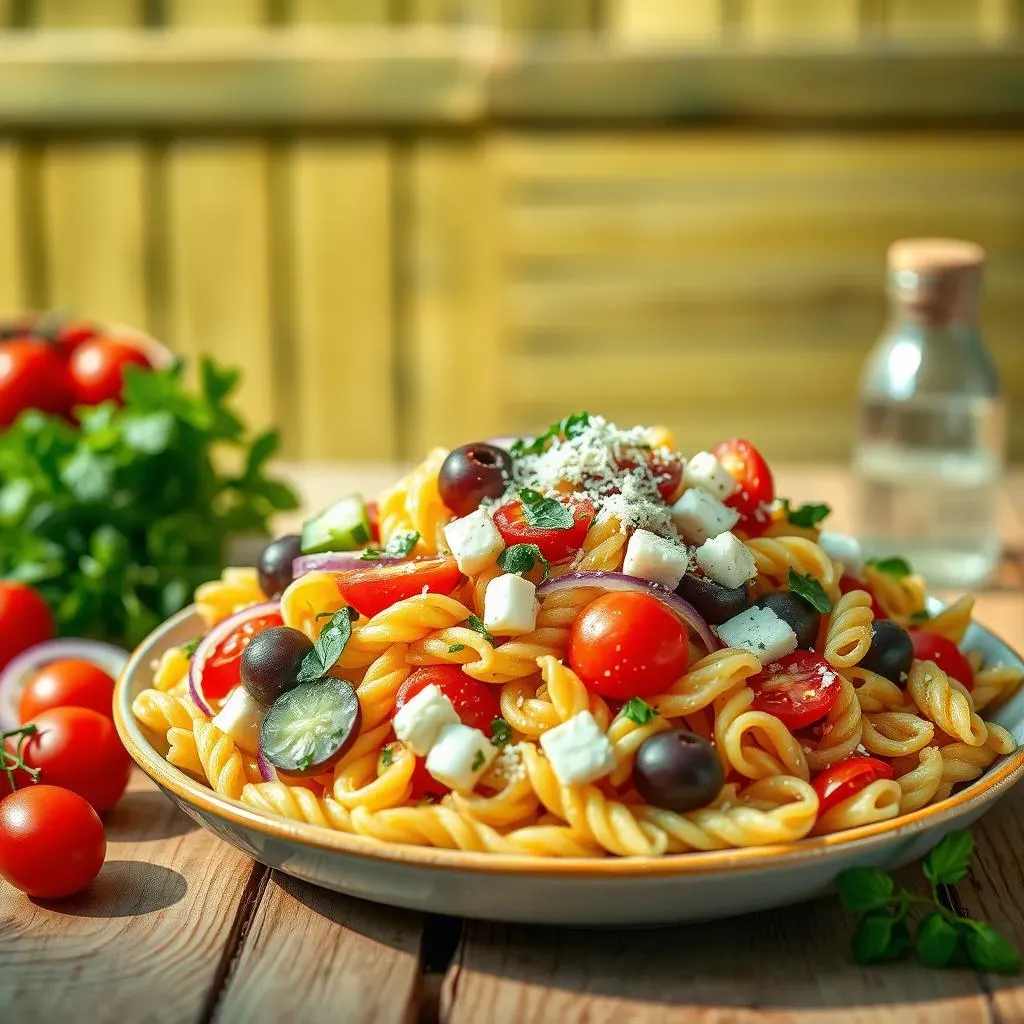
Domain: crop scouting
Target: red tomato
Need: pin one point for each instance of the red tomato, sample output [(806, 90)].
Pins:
[(51, 842), (848, 583), (628, 644), (847, 778), (32, 376), (222, 670), (370, 591), (798, 689), (423, 783), (97, 369), (476, 703), (70, 682), (755, 490), (373, 514), (79, 750), (932, 647), (25, 620), (72, 333), (555, 545)]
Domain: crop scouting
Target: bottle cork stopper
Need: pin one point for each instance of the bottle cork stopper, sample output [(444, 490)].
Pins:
[(935, 255), (936, 280)]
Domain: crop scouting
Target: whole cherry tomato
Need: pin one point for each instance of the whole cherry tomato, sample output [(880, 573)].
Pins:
[(32, 376), (847, 778), (97, 369), (798, 689), (370, 591), (556, 543), (755, 489), (930, 646), (222, 669), (70, 682), (25, 620), (476, 703), (51, 842), (628, 644)]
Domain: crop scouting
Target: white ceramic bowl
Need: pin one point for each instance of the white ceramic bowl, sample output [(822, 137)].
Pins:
[(609, 892)]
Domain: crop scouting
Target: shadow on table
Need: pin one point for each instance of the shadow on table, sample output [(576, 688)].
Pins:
[(143, 815), (124, 888)]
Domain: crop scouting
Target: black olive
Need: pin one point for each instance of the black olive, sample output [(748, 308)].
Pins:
[(271, 662), (803, 618), (677, 770), (714, 602), (891, 652), (309, 728), (471, 473), (275, 567)]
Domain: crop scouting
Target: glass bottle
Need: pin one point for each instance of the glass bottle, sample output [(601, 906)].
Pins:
[(930, 449)]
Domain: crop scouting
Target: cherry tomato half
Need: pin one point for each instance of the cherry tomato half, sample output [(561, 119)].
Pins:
[(628, 644), (755, 489), (32, 376), (798, 689), (51, 842), (222, 670), (70, 682), (476, 703), (79, 750), (848, 583), (847, 778), (97, 369), (25, 620), (556, 545), (370, 591), (930, 646)]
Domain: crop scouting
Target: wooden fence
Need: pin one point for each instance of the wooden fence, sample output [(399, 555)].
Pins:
[(430, 220)]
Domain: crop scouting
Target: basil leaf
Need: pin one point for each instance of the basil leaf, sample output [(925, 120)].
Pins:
[(807, 516), (501, 732), (880, 937), (947, 863), (521, 559), (571, 426), (638, 710), (544, 513), (810, 590), (862, 889), (895, 566), (988, 949), (936, 941), (474, 623), (400, 546), (329, 646)]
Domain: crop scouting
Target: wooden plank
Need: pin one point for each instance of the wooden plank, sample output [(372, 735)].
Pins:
[(149, 939), (13, 284), (934, 19), (317, 956), (698, 22), (777, 21)]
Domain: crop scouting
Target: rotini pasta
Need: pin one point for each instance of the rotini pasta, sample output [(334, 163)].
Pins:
[(848, 636)]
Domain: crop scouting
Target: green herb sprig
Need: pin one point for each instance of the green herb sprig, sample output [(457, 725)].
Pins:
[(886, 930), (400, 546), (522, 558), (810, 590), (474, 623), (501, 732), (895, 566), (636, 709), (807, 516), (544, 513), (571, 426), (329, 647)]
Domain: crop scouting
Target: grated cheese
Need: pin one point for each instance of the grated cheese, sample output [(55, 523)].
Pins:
[(509, 763)]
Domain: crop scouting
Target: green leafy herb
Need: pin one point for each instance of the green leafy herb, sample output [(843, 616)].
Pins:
[(474, 623), (941, 939), (544, 513), (572, 426), (896, 567), (920, 616), (455, 648), (400, 546), (521, 558), (638, 710), (328, 648), (807, 516), (191, 647), (478, 761), (810, 590), (501, 732), (386, 757), (117, 519)]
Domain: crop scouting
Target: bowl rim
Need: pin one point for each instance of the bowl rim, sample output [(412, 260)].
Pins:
[(714, 862)]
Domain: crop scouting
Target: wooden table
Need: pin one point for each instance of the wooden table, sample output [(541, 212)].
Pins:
[(180, 927)]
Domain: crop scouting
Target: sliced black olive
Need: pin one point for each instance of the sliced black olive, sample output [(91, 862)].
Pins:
[(677, 770), (310, 727), (891, 652), (275, 568), (471, 473), (715, 603), (803, 618), (271, 662)]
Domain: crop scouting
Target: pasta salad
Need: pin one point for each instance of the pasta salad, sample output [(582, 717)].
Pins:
[(578, 644)]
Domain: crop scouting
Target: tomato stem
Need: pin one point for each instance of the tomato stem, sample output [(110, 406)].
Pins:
[(11, 761)]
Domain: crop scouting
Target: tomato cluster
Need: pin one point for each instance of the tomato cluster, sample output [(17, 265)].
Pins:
[(56, 367)]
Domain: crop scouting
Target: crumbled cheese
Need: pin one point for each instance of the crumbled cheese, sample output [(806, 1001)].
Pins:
[(509, 763), (578, 750), (726, 560), (510, 606), (842, 548), (699, 516), (760, 631), (704, 470), (474, 540), (654, 558)]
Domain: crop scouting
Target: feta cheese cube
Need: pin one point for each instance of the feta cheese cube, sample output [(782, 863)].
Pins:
[(241, 718), (418, 723), (704, 470), (699, 516), (578, 750), (510, 605), (726, 560), (842, 548), (474, 541), (654, 558), (760, 631), (460, 756)]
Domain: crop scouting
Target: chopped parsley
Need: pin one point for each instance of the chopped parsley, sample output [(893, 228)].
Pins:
[(808, 516), (920, 616), (474, 623), (501, 732), (478, 761), (400, 546), (191, 647), (895, 566), (328, 648), (455, 648), (521, 558), (810, 590), (544, 513), (572, 426), (638, 710), (387, 758)]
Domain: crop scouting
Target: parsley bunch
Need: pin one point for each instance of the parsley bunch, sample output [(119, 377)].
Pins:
[(941, 939), (115, 521)]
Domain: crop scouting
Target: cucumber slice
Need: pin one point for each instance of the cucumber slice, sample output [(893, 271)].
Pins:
[(343, 526)]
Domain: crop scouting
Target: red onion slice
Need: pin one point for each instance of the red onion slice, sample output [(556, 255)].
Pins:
[(213, 640), (267, 770), (20, 670), (620, 581), (338, 561)]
